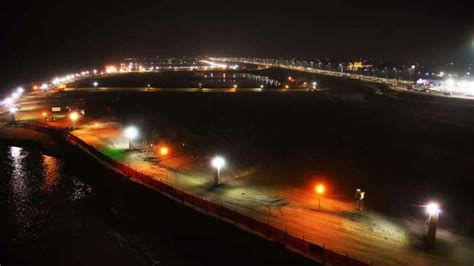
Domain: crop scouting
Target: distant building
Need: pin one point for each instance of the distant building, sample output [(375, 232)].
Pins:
[(356, 65), (154, 63)]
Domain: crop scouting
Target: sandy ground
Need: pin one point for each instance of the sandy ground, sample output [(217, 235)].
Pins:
[(370, 237)]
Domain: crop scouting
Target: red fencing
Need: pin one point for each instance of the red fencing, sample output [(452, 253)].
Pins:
[(306, 248)]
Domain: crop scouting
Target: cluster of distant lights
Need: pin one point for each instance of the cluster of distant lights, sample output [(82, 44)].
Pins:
[(214, 65), (451, 85), (10, 102), (465, 87)]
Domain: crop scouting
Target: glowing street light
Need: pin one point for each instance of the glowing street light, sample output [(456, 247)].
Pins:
[(8, 101), (131, 133), (13, 111), (164, 151), (320, 190), (74, 116), (95, 83), (433, 210), (218, 163), (15, 95)]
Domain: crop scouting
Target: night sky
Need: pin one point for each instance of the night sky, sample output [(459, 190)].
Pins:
[(42, 38)]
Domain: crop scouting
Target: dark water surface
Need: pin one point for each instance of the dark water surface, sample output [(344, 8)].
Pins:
[(53, 212)]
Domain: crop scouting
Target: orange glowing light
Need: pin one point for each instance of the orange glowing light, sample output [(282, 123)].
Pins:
[(44, 114), (164, 151), (110, 69), (320, 189), (35, 88)]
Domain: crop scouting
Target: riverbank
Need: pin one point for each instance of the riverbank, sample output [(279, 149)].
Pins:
[(159, 232)]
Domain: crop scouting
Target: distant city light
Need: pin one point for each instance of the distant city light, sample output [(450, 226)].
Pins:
[(13, 110), (8, 101), (110, 69)]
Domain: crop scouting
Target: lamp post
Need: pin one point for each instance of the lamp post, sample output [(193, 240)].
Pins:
[(13, 111), (74, 116), (131, 133), (320, 189), (95, 84), (218, 163), (164, 151), (433, 210), (359, 196)]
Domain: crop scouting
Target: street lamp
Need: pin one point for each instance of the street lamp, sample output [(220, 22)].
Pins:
[(131, 133), (95, 84), (218, 163), (433, 210), (74, 116), (320, 189), (13, 111), (164, 151)]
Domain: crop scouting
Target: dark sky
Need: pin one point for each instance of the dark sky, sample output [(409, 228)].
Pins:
[(40, 38)]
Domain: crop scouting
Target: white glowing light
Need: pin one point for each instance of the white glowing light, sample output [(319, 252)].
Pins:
[(218, 162), (450, 82), (8, 101), (13, 110), (131, 132), (432, 208)]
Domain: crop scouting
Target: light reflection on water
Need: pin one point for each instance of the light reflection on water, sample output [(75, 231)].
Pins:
[(37, 191), (51, 167), (20, 191)]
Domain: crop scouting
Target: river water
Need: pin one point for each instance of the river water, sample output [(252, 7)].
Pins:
[(54, 212)]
